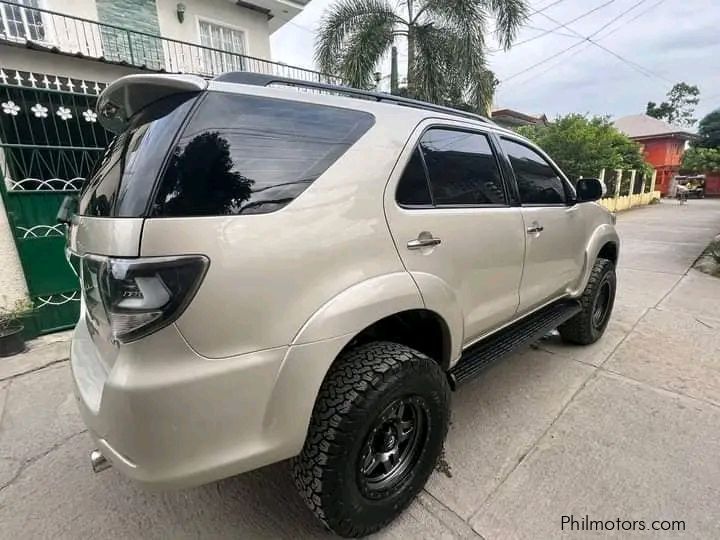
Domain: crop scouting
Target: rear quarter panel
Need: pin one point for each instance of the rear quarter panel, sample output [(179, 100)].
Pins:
[(270, 273)]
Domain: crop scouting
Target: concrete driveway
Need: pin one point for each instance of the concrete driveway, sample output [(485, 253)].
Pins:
[(628, 428)]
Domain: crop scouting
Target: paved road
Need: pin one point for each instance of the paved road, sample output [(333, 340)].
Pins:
[(628, 428)]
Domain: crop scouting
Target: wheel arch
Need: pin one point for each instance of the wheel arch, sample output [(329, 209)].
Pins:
[(313, 351), (604, 243), (609, 251), (421, 329)]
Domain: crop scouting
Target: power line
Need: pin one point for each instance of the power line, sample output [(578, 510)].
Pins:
[(604, 26), (588, 39), (555, 64), (533, 12), (539, 7), (551, 4), (300, 26), (546, 32), (608, 34), (635, 65), (550, 31), (542, 62), (636, 17)]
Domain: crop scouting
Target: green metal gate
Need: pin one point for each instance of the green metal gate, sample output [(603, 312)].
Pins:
[(49, 143)]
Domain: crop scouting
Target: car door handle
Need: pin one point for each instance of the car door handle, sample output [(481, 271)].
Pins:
[(535, 229), (422, 242)]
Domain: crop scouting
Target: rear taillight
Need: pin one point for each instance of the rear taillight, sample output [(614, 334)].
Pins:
[(127, 299)]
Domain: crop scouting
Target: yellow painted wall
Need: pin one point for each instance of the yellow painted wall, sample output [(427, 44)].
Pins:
[(618, 204)]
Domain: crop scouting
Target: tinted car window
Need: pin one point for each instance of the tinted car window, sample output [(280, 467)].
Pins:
[(413, 188), (537, 180), (462, 168), (124, 179), (244, 154)]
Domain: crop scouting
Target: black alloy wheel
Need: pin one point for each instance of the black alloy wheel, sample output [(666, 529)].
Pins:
[(392, 447)]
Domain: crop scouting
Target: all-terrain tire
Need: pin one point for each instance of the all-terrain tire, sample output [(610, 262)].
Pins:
[(588, 326), (353, 398)]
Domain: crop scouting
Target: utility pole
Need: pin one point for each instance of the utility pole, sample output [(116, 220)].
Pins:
[(393, 70)]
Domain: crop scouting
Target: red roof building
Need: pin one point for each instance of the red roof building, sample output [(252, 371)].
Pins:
[(662, 143)]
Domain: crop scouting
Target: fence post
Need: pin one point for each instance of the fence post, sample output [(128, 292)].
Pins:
[(631, 191), (601, 177), (644, 197), (652, 181), (618, 181)]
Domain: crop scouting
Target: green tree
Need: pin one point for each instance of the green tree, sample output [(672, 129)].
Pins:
[(445, 44), (701, 160), (709, 130), (680, 105), (583, 146)]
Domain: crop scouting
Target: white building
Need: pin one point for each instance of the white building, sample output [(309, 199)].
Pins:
[(194, 36), (55, 57)]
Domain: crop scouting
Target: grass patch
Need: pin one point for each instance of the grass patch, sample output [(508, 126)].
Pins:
[(709, 261)]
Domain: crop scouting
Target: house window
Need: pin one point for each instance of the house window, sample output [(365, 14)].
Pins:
[(20, 22), (228, 45)]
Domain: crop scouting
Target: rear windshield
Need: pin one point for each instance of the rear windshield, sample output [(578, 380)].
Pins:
[(243, 154), (124, 179)]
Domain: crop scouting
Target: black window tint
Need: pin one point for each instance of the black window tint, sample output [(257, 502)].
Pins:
[(413, 188), (462, 168), (251, 155), (122, 184), (537, 180)]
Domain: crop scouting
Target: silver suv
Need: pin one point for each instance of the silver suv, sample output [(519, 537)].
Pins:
[(275, 269)]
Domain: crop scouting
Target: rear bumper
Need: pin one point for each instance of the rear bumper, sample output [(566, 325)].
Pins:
[(166, 417)]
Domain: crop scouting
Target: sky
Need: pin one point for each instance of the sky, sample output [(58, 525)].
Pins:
[(660, 42)]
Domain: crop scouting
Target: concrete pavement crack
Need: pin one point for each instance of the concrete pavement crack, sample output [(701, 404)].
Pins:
[(29, 461), (593, 375), (705, 324), (33, 370), (619, 375), (627, 335), (682, 276), (533, 446), (459, 522)]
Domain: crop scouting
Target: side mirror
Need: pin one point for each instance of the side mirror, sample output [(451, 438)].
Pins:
[(589, 189)]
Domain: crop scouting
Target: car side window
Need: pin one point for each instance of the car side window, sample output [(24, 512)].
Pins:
[(537, 180), (244, 154), (413, 189), (462, 168)]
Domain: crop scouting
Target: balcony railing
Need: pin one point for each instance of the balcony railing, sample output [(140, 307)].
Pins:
[(75, 35)]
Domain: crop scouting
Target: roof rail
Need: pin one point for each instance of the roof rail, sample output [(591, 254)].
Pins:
[(260, 79)]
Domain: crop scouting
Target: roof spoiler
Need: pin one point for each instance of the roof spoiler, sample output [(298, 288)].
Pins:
[(124, 97)]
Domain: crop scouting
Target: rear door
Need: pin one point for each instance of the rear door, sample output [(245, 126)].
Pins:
[(449, 212), (555, 234)]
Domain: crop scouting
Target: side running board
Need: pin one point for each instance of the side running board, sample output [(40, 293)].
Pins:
[(522, 333)]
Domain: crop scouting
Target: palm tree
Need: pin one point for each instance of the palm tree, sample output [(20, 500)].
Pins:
[(445, 43)]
